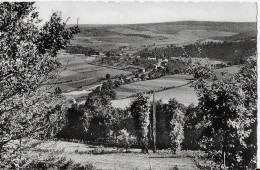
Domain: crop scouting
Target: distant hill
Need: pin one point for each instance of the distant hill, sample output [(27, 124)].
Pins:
[(239, 36), (108, 37)]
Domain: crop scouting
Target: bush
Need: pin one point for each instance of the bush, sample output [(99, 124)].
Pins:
[(60, 164), (98, 150), (77, 124), (125, 139)]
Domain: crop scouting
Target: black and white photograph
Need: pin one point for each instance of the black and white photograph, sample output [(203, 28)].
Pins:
[(128, 85)]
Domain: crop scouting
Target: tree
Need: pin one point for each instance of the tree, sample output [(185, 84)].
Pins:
[(125, 139), (58, 90), (143, 77), (117, 83), (98, 107), (191, 132), (77, 123), (229, 110), (108, 76), (177, 130), (140, 112), (27, 63)]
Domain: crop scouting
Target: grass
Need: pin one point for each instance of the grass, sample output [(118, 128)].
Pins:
[(170, 86), (111, 158), (78, 74), (164, 82), (184, 94), (227, 71), (167, 87)]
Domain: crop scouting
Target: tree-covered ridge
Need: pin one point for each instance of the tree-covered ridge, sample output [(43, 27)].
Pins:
[(235, 52)]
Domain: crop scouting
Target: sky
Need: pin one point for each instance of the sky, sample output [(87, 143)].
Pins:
[(148, 12)]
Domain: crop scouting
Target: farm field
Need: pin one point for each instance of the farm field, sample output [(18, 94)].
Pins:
[(77, 74), (184, 94), (80, 77), (227, 71), (203, 61), (156, 84), (113, 158), (181, 91)]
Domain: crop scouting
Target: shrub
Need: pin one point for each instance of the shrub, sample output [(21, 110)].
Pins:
[(77, 124), (98, 150), (62, 163), (125, 139)]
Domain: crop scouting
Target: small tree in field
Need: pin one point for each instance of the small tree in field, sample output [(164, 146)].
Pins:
[(177, 130), (28, 58), (108, 76), (125, 139), (140, 113)]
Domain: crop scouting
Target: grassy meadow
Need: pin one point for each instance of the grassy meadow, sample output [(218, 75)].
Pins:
[(108, 158), (159, 84), (77, 74)]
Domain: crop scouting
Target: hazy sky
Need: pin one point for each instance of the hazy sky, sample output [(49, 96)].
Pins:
[(148, 12)]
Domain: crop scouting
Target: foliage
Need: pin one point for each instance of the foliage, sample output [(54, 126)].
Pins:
[(165, 112), (231, 51), (162, 132), (180, 65), (229, 110), (140, 112), (203, 73), (27, 63), (60, 164), (81, 50), (192, 133), (125, 139), (105, 91), (177, 130), (58, 90), (77, 123), (108, 76), (104, 120)]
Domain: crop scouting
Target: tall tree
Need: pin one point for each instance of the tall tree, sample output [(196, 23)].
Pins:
[(229, 110), (28, 57), (177, 130), (140, 112)]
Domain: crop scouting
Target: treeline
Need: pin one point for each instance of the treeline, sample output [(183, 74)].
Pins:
[(235, 52), (81, 50), (94, 31), (105, 31), (138, 35)]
